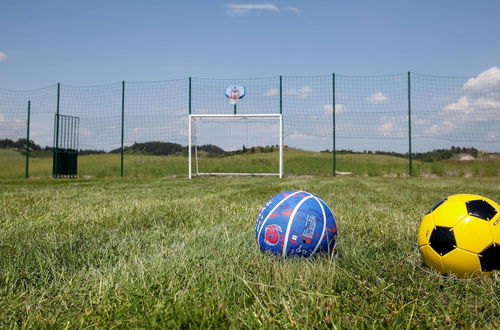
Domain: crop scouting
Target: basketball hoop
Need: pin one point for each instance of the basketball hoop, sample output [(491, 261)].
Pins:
[(234, 93)]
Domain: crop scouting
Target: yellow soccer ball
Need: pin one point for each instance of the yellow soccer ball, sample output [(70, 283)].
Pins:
[(461, 235)]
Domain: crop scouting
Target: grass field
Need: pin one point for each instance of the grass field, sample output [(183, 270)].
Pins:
[(297, 162), (177, 253)]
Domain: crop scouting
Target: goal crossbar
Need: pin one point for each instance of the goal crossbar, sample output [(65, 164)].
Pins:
[(192, 117)]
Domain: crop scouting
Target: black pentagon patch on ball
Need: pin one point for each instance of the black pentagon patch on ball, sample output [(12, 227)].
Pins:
[(436, 206), (481, 209), (442, 240), (490, 258)]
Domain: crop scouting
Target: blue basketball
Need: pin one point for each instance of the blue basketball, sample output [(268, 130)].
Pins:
[(296, 223)]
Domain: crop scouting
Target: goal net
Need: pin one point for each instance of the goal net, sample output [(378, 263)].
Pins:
[(236, 145)]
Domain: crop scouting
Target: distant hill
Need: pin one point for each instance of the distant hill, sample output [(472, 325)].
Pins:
[(152, 148), (429, 156), (157, 148)]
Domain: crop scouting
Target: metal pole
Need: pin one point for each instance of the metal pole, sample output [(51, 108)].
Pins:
[(189, 131), (71, 132), (189, 145), (123, 128), (56, 170), (28, 140), (410, 167), (281, 95), (73, 135), (334, 151), (63, 134), (67, 132), (189, 95), (77, 137), (234, 109), (282, 165)]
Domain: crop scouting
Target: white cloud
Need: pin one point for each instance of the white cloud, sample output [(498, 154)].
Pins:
[(243, 9), (6, 122), (481, 101), (377, 98), (34, 134), (11, 128), (440, 129), (272, 92), (85, 132), (300, 92), (492, 135), (238, 9), (419, 121), (293, 9), (386, 129), (478, 108), (469, 108), (487, 103), (487, 82), (462, 105), (328, 109), (3, 57), (393, 127), (137, 130)]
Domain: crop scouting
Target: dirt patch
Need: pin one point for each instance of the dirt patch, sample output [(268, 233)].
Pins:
[(466, 157), (343, 173), (429, 175)]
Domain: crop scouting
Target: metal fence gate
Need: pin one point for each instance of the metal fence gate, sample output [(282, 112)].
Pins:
[(65, 155)]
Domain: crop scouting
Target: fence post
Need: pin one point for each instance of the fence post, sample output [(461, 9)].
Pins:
[(123, 128), (189, 95), (334, 151), (281, 95), (26, 174), (56, 135), (189, 131), (410, 165)]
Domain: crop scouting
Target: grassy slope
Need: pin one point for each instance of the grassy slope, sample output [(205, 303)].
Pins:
[(297, 162), (174, 252)]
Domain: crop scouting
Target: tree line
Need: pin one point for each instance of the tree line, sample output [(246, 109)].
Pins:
[(428, 156), (158, 148), (20, 145)]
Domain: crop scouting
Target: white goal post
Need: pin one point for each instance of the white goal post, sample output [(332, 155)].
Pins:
[(259, 123)]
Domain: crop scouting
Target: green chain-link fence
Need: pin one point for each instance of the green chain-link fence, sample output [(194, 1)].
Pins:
[(332, 123)]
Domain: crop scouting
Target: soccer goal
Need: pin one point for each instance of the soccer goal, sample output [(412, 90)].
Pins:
[(236, 145)]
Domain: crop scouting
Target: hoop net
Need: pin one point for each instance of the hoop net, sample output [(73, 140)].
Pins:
[(234, 93)]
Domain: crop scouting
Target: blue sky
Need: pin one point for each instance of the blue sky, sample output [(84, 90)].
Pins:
[(92, 43), (98, 42)]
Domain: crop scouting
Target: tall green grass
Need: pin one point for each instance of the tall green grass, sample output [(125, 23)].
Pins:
[(177, 253), (12, 164), (297, 162)]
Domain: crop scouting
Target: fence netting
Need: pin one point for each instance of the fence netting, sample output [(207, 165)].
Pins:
[(141, 128), (13, 127), (262, 96), (456, 111)]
